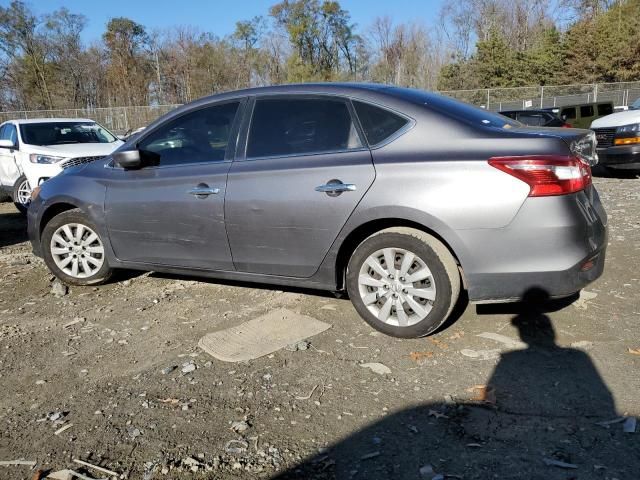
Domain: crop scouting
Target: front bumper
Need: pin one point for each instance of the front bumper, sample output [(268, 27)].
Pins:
[(37, 173), (624, 157), (33, 227)]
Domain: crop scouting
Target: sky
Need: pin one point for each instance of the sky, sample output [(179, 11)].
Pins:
[(220, 16)]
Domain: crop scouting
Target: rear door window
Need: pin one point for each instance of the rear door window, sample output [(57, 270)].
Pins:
[(586, 111), (300, 126), (568, 113), (378, 123)]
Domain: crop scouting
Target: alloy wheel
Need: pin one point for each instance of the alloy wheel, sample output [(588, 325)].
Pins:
[(397, 286), (77, 250), (24, 193)]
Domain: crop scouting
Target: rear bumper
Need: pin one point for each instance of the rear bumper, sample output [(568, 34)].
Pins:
[(624, 157), (555, 244), (557, 284)]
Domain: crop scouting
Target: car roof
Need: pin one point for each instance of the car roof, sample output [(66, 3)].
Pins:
[(528, 110), (366, 90), (575, 105), (389, 95), (49, 120)]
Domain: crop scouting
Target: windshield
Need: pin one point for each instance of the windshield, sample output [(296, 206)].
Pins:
[(64, 133)]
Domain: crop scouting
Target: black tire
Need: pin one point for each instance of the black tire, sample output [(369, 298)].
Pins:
[(72, 216), (438, 259), (16, 187)]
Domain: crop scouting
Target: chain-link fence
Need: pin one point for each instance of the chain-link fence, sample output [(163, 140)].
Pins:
[(621, 94), (117, 119), (123, 119)]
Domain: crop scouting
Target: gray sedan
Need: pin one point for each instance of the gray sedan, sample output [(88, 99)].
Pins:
[(400, 197)]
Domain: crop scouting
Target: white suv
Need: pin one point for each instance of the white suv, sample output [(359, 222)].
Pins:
[(32, 151)]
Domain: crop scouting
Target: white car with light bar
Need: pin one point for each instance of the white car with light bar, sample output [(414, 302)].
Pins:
[(33, 151), (618, 137)]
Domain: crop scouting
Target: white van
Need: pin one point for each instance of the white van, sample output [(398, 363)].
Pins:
[(618, 137)]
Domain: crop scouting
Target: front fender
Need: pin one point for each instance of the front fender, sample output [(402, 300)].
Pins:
[(88, 196)]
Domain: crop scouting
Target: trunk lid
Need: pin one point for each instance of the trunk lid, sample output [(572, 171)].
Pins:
[(581, 143)]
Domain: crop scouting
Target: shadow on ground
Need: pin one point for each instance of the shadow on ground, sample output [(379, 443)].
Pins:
[(601, 171), (535, 419), (13, 229)]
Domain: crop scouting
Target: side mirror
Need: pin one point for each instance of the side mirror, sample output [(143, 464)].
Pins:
[(128, 160), (5, 143)]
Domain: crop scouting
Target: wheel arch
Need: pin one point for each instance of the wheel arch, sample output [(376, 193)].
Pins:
[(52, 211), (365, 230)]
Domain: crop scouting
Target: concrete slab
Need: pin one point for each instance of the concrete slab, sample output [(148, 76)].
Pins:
[(261, 336)]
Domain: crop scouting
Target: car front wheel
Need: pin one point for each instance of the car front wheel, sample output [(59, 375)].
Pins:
[(22, 194), (403, 282), (73, 249)]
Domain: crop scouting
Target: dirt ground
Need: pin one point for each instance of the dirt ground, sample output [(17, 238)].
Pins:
[(510, 391)]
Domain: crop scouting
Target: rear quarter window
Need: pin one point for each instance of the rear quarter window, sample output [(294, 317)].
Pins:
[(568, 113), (378, 123)]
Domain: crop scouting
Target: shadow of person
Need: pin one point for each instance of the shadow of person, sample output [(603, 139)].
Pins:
[(546, 379), (547, 401)]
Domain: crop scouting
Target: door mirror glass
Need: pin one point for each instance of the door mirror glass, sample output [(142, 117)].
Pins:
[(128, 160), (4, 143)]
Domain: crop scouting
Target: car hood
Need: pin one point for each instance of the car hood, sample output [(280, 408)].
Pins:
[(617, 119), (76, 149)]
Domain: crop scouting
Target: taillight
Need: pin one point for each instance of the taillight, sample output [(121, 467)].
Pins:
[(567, 125), (547, 174)]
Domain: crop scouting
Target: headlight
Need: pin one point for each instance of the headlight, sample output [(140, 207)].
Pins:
[(628, 130), (35, 158)]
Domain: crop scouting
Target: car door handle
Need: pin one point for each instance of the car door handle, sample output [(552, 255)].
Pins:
[(204, 191), (334, 187)]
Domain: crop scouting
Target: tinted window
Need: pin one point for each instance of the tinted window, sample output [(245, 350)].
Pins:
[(378, 124), (533, 119), (298, 126), (568, 113), (200, 136), (605, 109), (586, 111), (64, 133)]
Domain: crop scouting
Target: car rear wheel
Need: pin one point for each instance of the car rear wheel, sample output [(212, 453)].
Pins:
[(403, 282), (22, 194), (73, 249)]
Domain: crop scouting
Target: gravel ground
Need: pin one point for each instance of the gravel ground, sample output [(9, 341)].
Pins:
[(509, 391)]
